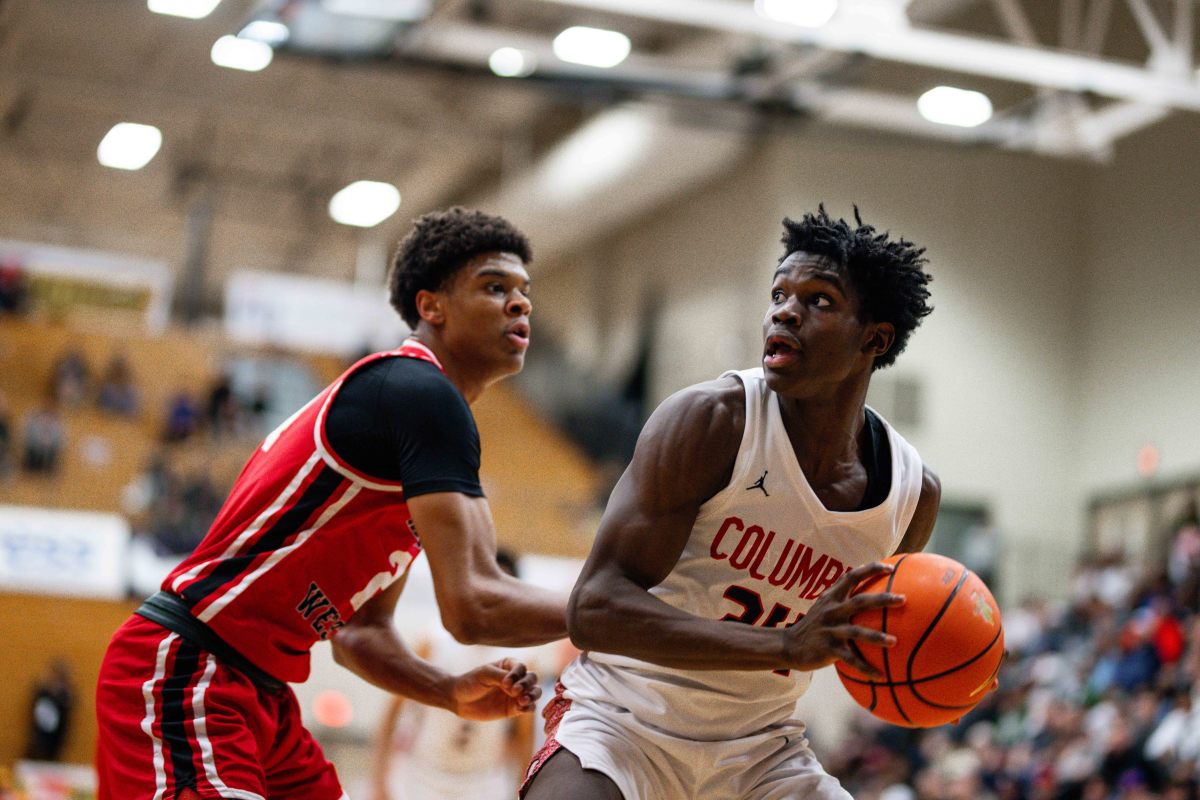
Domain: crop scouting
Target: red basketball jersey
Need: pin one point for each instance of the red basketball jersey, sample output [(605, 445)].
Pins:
[(302, 541)]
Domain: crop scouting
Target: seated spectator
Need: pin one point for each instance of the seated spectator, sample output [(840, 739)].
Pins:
[(50, 713), (13, 288), (258, 409), (5, 435), (222, 411), (70, 379), (117, 393), (182, 418), (43, 437)]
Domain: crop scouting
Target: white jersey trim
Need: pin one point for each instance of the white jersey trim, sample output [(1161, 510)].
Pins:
[(160, 670), (277, 556), (254, 527)]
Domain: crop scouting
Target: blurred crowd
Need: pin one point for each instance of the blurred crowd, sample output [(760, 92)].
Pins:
[(1098, 699)]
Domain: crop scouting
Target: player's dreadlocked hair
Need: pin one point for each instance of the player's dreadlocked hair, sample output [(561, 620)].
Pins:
[(439, 244), (887, 273)]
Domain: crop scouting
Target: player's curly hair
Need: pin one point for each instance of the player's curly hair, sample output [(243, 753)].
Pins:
[(887, 273), (439, 244)]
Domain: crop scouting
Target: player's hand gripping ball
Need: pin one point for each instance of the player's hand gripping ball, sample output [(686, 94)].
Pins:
[(949, 643)]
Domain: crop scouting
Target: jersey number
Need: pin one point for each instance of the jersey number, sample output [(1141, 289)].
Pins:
[(752, 611)]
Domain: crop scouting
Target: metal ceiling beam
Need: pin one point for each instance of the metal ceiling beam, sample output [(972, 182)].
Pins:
[(954, 52)]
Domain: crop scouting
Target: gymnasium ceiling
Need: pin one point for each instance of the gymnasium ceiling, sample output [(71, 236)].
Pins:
[(414, 102)]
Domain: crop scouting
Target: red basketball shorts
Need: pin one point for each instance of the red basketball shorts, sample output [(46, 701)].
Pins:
[(172, 717)]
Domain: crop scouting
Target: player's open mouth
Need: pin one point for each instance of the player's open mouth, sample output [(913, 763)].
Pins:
[(518, 334), (780, 351)]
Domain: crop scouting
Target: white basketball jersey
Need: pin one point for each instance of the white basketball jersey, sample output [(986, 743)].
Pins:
[(761, 552)]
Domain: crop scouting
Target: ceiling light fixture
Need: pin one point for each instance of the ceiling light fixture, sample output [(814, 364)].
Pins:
[(592, 47), (390, 10), (129, 145), (962, 108), (265, 31), (364, 204), (189, 9), (804, 13), (509, 62), (244, 54)]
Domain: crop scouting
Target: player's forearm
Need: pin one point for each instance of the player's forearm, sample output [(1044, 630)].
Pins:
[(377, 655), (615, 615), (507, 613)]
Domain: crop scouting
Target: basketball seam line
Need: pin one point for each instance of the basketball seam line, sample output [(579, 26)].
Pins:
[(912, 681), (887, 667)]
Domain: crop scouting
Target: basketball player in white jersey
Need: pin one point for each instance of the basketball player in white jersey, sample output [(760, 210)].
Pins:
[(760, 498)]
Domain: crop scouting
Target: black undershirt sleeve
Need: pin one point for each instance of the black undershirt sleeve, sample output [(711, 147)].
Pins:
[(400, 419), (878, 464)]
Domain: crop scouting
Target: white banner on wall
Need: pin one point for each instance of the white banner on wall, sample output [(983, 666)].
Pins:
[(313, 314), (78, 553), (72, 280)]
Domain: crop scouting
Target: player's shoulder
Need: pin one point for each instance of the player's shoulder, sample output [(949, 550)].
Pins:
[(931, 485), (711, 414), (403, 379)]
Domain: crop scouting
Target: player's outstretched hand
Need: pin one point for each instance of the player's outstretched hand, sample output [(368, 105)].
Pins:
[(825, 634), (503, 688)]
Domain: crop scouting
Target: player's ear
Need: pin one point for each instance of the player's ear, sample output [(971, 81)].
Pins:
[(431, 307), (880, 336)]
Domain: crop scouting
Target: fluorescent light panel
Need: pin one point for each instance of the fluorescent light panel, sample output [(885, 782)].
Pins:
[(190, 9), (961, 108), (804, 13), (364, 204), (390, 10), (592, 47), (129, 145), (244, 54), (265, 31), (509, 62)]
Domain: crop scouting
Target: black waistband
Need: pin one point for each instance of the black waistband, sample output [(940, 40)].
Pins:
[(173, 614)]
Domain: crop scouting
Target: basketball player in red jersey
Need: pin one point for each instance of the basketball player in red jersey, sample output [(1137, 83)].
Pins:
[(314, 542), (762, 498)]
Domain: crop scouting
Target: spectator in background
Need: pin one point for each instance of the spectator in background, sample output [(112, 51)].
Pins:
[(43, 437), (1183, 561), (14, 288), (117, 393), (182, 418), (222, 412), (50, 713), (5, 435), (258, 409), (70, 378)]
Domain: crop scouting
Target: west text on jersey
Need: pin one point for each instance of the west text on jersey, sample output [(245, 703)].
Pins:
[(319, 611)]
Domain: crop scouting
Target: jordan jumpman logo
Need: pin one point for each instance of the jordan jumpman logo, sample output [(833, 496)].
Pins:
[(761, 484)]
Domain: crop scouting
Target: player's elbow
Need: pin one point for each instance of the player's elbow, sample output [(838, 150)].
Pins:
[(587, 609), (465, 629), (476, 615), (343, 647)]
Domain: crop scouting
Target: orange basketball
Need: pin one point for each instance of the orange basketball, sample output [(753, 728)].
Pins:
[(949, 643)]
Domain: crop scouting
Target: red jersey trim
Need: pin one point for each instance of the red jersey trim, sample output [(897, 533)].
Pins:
[(410, 349)]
